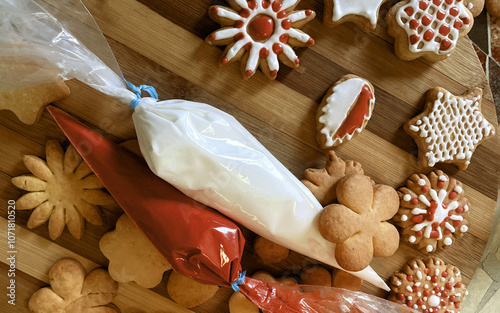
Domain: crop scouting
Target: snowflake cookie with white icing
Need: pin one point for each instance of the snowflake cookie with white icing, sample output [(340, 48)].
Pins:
[(450, 127), (344, 111), (428, 28), (433, 211), (428, 286), (363, 13), (260, 33)]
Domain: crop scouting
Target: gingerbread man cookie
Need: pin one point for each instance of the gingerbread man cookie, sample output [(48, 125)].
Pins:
[(344, 111), (363, 13), (450, 127), (357, 224), (260, 33), (433, 211), (428, 286), (428, 28)]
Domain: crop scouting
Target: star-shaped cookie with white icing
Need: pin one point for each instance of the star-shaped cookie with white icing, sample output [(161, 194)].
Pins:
[(363, 13), (450, 127)]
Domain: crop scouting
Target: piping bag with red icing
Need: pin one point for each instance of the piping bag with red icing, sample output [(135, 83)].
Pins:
[(197, 241), (200, 150)]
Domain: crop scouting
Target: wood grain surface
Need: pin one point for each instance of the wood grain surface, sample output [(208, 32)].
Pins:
[(161, 43)]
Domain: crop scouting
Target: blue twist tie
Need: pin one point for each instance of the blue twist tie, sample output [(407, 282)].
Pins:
[(137, 90), (239, 281)]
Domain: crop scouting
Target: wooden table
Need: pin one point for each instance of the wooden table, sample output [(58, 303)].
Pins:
[(161, 43)]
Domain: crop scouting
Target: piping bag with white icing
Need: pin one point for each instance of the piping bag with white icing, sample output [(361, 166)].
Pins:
[(205, 153)]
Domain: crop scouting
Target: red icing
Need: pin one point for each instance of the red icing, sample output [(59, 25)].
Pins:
[(309, 12), (435, 224), (426, 293), (244, 13), (248, 46), (414, 39), (441, 15), (449, 1), (428, 35), (211, 37), (274, 73), (459, 210), (434, 279), (263, 53), (400, 296), (423, 4), (447, 231), (440, 184), (414, 201), (310, 42), (420, 302), (454, 11), (409, 303), (415, 289), (356, 117), (214, 9), (458, 285), (277, 48), (445, 274), (419, 233), (414, 24), (466, 20), (457, 24), (224, 61), (297, 61), (266, 4), (456, 223), (249, 73), (457, 305), (452, 298), (448, 286), (239, 36), (453, 195), (444, 29), (425, 311), (261, 28), (282, 14), (436, 289), (445, 44), (434, 234), (277, 6), (239, 24), (252, 4), (425, 189), (409, 278), (444, 294), (450, 213), (284, 38), (286, 23), (437, 2), (426, 20), (409, 11)]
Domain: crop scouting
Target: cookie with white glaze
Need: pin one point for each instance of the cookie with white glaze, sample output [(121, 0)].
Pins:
[(363, 13), (344, 111)]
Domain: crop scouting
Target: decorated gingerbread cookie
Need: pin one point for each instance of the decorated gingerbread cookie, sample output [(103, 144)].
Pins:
[(428, 28), (450, 127), (429, 286), (344, 111), (260, 33), (363, 13), (433, 211)]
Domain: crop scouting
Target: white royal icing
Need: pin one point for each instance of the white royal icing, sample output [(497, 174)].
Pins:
[(366, 8), (337, 108), (448, 241), (404, 218), (259, 10), (407, 197), (454, 128), (417, 15)]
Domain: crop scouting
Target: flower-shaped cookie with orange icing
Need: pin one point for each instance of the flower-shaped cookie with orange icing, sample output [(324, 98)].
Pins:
[(357, 223)]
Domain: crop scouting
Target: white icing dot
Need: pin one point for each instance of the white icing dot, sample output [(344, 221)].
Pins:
[(404, 218), (466, 208), (443, 279), (429, 248), (419, 283), (412, 239), (410, 297), (452, 280), (470, 5), (433, 292), (414, 128), (423, 306), (407, 197), (410, 290), (415, 265), (419, 122), (415, 306), (458, 189), (421, 182), (464, 228), (434, 301), (428, 278), (426, 286), (458, 295), (442, 288), (466, 292), (425, 299), (419, 294), (447, 241), (443, 178), (437, 272), (439, 294), (398, 283), (419, 274), (438, 262)]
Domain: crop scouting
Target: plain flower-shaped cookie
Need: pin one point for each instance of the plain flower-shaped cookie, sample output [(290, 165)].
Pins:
[(357, 224), (71, 291)]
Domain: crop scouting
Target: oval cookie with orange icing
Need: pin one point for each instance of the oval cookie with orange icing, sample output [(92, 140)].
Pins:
[(345, 110)]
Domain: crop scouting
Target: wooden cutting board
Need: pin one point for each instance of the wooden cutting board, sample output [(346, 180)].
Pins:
[(161, 43)]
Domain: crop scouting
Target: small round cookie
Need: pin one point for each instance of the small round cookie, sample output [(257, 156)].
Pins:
[(269, 252), (316, 276), (428, 286), (493, 7), (450, 127), (187, 292), (260, 33), (343, 279), (344, 111), (433, 211), (428, 28), (363, 13)]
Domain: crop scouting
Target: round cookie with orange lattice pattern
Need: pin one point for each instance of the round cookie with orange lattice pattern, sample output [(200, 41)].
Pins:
[(429, 286), (433, 211)]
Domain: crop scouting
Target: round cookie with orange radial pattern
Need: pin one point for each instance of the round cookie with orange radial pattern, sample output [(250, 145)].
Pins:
[(428, 286), (433, 211), (261, 34)]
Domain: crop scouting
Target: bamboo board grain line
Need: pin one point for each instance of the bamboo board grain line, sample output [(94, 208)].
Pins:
[(36, 255)]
